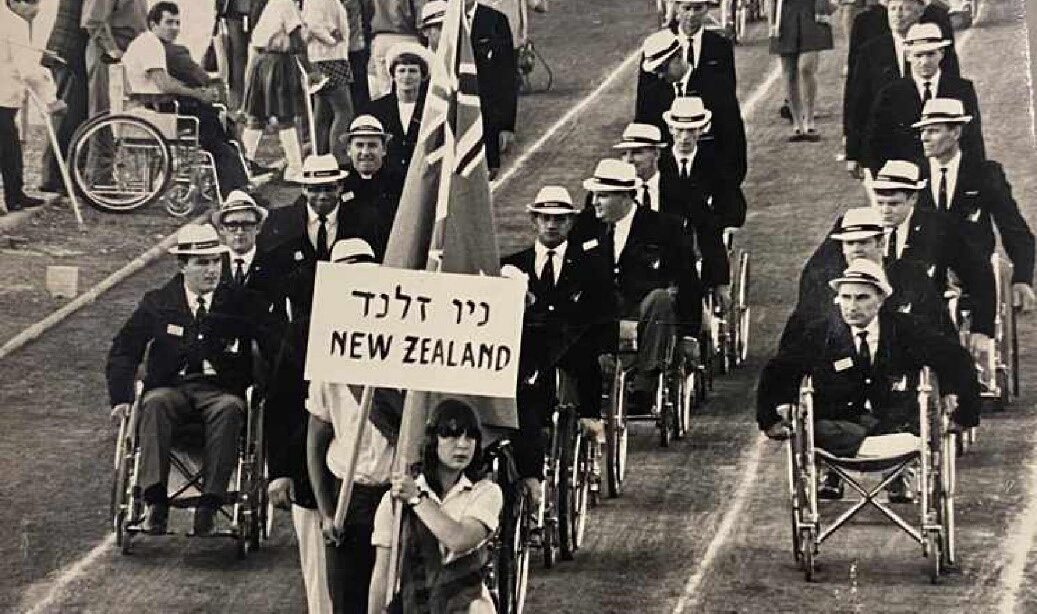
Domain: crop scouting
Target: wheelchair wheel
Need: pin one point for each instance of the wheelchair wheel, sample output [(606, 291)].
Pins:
[(507, 551), (584, 475), (615, 435), (520, 550), (792, 471), (567, 485), (933, 551), (806, 542), (140, 167), (742, 309), (664, 410)]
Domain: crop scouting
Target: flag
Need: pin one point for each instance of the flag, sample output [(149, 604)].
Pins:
[(445, 219)]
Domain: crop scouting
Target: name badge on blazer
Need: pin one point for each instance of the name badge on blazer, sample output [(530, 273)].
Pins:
[(175, 329), (905, 308), (348, 196), (576, 296), (299, 256), (842, 364), (971, 193), (232, 347), (589, 245), (900, 385), (931, 271)]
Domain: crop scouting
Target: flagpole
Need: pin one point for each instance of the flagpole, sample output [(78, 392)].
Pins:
[(345, 493), (58, 155)]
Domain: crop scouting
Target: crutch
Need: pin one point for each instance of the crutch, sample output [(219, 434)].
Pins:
[(58, 155), (310, 91)]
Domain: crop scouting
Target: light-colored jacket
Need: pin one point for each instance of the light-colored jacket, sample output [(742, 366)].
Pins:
[(328, 24), (20, 67)]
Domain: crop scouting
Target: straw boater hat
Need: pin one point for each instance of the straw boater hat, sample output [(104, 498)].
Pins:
[(412, 48), (899, 175), (320, 169), (352, 251), (552, 200), (709, 2), (432, 14), (238, 200), (859, 223), (658, 49), (613, 176), (942, 111), (863, 271), (923, 37), (687, 112), (198, 240), (367, 125), (638, 136)]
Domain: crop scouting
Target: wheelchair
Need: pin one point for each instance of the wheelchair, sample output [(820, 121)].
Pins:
[(250, 513), (507, 573), (999, 375), (728, 322), (154, 156), (932, 452), (962, 13)]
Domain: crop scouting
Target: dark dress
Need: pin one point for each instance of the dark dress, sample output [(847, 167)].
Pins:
[(799, 31)]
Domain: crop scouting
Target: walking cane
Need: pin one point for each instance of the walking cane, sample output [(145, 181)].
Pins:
[(58, 155), (310, 91)]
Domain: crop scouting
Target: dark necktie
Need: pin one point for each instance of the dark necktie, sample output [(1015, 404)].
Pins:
[(928, 93), (907, 65), (941, 190), (684, 168), (195, 359), (647, 199), (691, 54), (891, 249), (610, 241), (239, 271), (547, 274), (322, 238), (864, 352)]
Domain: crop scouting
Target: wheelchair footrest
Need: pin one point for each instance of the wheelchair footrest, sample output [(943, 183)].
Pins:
[(229, 498)]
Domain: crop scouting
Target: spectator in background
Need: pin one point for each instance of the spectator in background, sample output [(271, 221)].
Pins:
[(517, 12), (19, 69), (234, 14), (393, 22), (328, 48), (359, 49), (431, 24), (497, 71), (67, 42), (111, 26)]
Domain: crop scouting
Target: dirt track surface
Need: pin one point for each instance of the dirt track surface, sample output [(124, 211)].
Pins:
[(676, 527)]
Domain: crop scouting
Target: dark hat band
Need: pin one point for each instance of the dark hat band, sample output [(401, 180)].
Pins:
[(619, 183), (897, 178), (674, 46), (198, 245), (691, 118), (552, 204), (639, 140), (942, 115), (862, 228), (922, 41), (319, 174), (861, 276)]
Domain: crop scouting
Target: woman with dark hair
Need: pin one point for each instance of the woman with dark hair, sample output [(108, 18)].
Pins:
[(449, 514), (401, 110)]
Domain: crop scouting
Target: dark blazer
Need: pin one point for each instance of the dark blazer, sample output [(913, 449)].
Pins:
[(889, 133), (826, 351), (714, 81), (164, 319), (401, 145), (875, 22), (711, 183), (288, 224), (982, 198), (497, 67), (182, 67), (654, 256), (875, 67), (914, 290)]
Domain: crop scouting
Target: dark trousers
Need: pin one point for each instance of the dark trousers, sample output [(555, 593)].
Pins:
[(360, 89), (351, 563), (843, 437), (71, 86), (657, 327), (10, 156), (491, 137), (164, 409), (237, 58), (214, 139)]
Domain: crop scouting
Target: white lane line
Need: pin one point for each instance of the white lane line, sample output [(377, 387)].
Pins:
[(690, 595), (618, 71), (1016, 548), (69, 575)]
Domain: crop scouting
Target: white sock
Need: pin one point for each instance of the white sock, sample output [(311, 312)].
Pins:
[(290, 143), (250, 140)]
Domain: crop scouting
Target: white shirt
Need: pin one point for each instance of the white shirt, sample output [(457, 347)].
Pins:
[(902, 231), (247, 259), (651, 187), (335, 403), (192, 305), (681, 87), (540, 258), (873, 337), (323, 18), (622, 231), (20, 66), (275, 24), (144, 54), (313, 225), (406, 113), (952, 177), (695, 42), (934, 84), (681, 157)]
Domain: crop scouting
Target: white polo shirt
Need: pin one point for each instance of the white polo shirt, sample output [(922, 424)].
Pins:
[(145, 53), (336, 404)]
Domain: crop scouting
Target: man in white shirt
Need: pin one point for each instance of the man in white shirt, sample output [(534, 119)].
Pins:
[(150, 84), (20, 69)]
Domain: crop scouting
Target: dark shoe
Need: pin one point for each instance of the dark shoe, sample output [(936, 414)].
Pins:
[(785, 111), (811, 136), (204, 517), (28, 202), (797, 137), (53, 188), (899, 490), (156, 519), (831, 489)]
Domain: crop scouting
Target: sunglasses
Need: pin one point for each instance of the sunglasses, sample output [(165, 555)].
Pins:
[(453, 431)]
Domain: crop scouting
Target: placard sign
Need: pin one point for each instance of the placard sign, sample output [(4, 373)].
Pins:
[(415, 330)]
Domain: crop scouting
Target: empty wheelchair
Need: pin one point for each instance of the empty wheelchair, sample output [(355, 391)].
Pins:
[(931, 453), (124, 160), (246, 509)]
